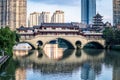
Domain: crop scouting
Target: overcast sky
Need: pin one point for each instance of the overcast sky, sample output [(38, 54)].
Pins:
[(72, 8)]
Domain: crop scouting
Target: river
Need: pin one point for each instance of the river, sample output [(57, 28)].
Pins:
[(89, 64)]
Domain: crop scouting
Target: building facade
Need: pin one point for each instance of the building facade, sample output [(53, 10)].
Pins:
[(97, 21), (88, 11), (34, 19), (116, 12), (45, 17), (57, 17), (13, 13)]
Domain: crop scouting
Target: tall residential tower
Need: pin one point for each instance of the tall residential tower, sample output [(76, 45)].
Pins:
[(57, 17), (116, 12), (34, 19), (88, 11), (45, 17), (12, 13)]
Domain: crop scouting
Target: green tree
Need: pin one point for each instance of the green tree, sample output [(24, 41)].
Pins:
[(117, 36), (109, 36), (8, 39)]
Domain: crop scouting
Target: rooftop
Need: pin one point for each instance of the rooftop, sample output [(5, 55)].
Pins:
[(58, 25)]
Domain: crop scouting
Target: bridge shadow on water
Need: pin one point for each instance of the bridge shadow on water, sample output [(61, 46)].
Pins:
[(67, 53), (93, 52)]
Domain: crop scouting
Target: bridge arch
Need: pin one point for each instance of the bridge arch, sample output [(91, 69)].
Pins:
[(39, 43), (68, 43), (33, 47), (93, 44), (72, 40)]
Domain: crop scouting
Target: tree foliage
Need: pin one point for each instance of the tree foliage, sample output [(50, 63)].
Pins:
[(111, 36), (8, 38)]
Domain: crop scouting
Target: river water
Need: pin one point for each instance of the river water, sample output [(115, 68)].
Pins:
[(63, 65)]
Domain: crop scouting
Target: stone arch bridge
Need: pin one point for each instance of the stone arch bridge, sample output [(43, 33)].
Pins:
[(72, 39)]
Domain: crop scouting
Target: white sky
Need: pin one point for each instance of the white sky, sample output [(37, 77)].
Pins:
[(72, 11)]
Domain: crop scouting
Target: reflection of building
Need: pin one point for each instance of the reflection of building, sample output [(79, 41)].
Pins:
[(58, 17), (12, 13), (116, 73), (88, 10), (116, 12), (20, 74), (20, 52), (87, 73), (53, 52)]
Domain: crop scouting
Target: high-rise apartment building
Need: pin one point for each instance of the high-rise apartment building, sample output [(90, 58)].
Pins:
[(34, 19), (58, 17), (116, 12), (45, 17), (12, 13), (38, 18), (88, 11)]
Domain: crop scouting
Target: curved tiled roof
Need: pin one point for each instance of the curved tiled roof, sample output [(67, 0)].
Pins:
[(58, 25)]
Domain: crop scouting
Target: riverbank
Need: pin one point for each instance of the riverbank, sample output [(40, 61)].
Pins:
[(116, 47), (3, 59)]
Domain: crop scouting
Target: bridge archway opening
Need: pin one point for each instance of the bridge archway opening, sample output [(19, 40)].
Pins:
[(28, 43), (62, 43), (39, 43), (93, 45), (78, 44)]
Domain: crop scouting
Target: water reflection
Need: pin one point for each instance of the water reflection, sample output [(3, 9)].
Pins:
[(87, 72), (20, 53), (71, 60), (53, 52), (113, 59), (78, 53), (74, 65), (20, 74)]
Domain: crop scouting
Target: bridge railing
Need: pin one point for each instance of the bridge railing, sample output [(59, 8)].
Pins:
[(29, 37)]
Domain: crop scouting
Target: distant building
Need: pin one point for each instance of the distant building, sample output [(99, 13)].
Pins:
[(34, 19), (107, 24), (116, 12), (57, 17), (56, 29), (13, 13), (88, 11), (81, 25), (45, 17), (97, 21)]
